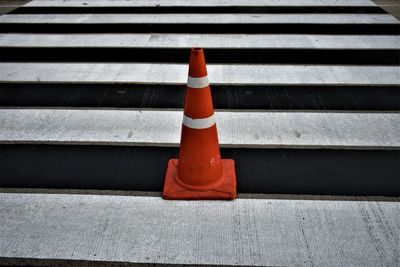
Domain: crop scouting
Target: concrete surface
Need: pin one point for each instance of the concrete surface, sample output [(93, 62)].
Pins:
[(390, 6), (201, 18), (82, 3), (279, 41), (142, 73), (257, 232), (236, 129), (9, 5)]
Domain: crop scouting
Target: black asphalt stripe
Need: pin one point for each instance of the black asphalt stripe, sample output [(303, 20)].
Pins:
[(201, 10), (384, 98), (181, 55), (299, 28), (272, 171)]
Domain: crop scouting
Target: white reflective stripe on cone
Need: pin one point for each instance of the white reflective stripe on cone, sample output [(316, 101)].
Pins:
[(197, 82), (198, 123)]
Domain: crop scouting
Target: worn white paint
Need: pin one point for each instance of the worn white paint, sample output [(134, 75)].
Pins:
[(334, 130), (143, 73), (83, 3), (200, 18), (251, 232), (154, 40)]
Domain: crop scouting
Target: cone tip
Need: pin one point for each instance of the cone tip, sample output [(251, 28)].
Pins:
[(197, 64), (197, 50)]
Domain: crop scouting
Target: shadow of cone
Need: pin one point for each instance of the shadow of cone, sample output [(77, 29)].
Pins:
[(199, 173)]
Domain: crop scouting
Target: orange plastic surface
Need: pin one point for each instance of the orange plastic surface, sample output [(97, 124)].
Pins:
[(226, 190)]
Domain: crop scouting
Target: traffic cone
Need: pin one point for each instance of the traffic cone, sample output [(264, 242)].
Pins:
[(199, 173)]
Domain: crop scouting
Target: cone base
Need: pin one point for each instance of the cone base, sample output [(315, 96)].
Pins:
[(227, 190)]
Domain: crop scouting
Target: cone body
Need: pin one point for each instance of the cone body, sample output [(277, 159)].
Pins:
[(199, 173)]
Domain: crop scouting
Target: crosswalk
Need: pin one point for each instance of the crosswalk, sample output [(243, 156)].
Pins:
[(279, 70), (307, 99), (237, 129)]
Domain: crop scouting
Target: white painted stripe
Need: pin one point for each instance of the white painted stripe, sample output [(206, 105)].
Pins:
[(198, 123), (240, 74), (197, 82), (199, 18), (279, 41), (26, 234), (269, 129), (195, 3)]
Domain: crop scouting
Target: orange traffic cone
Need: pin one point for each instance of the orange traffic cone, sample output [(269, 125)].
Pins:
[(199, 173)]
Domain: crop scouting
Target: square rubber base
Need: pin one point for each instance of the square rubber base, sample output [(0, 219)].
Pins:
[(227, 190)]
